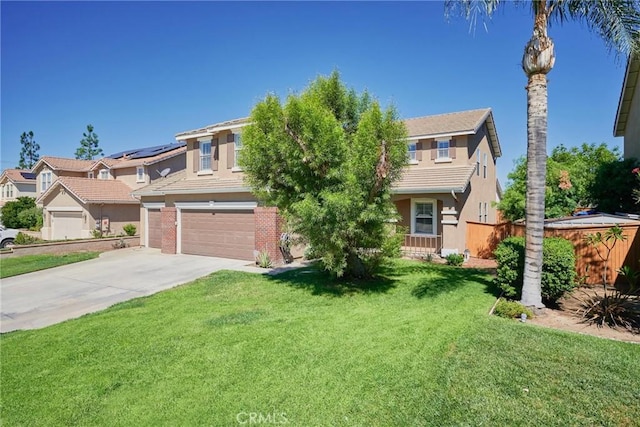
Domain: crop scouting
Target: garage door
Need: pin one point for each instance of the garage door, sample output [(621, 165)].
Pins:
[(154, 228), (226, 234), (66, 225)]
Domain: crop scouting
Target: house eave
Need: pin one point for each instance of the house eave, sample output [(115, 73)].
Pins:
[(419, 190), (626, 96), (194, 191)]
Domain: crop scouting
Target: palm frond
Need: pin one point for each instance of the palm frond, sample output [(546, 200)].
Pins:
[(471, 10), (617, 22)]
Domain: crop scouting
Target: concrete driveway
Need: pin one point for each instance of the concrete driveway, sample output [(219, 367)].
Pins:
[(42, 298)]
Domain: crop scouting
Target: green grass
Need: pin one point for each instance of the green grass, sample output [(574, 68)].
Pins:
[(414, 348), (29, 263)]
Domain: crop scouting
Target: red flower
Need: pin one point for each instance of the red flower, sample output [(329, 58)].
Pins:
[(636, 171)]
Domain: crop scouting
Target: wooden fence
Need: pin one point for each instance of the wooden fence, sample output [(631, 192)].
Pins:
[(482, 239)]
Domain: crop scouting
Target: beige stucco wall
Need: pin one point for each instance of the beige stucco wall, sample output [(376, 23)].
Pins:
[(119, 215), (424, 148), (225, 167), (632, 129), (129, 175), (61, 199)]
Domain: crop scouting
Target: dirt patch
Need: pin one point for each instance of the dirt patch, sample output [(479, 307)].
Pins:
[(564, 317)]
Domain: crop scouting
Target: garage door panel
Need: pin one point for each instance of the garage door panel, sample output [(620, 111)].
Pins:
[(154, 228), (66, 225), (214, 233)]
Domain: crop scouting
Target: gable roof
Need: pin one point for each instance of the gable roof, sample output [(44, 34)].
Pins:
[(93, 191), (438, 179), (63, 163), (626, 96), (18, 176), (214, 128), (452, 124)]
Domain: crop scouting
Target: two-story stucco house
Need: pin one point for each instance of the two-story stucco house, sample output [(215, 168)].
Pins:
[(16, 183), (79, 196), (627, 123), (207, 209)]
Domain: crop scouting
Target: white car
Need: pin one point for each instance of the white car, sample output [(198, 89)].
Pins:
[(7, 236)]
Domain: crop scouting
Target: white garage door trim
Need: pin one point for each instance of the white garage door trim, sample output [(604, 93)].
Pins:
[(211, 205)]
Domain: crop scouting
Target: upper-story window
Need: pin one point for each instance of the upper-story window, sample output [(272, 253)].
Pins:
[(443, 150), (237, 147), (9, 190), (140, 174), (205, 155), (104, 174), (412, 152), (478, 162), (484, 165), (45, 181)]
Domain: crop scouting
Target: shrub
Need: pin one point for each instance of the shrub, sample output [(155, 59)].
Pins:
[(264, 260), (510, 309), (614, 308), (130, 229), (310, 253), (25, 239), (96, 233), (31, 218), (455, 259), (11, 213), (558, 267)]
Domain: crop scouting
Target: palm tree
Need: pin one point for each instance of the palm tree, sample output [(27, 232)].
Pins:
[(617, 22)]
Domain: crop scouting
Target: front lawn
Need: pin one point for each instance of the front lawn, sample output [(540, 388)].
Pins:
[(29, 263), (416, 348)]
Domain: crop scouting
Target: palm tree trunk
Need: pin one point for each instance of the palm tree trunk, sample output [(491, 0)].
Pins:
[(536, 177), (537, 61)]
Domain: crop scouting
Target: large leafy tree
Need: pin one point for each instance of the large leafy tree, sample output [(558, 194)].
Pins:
[(29, 152), (571, 175), (612, 188), (327, 158), (88, 145), (617, 23)]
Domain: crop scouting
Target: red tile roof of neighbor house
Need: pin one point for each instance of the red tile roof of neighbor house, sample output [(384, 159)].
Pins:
[(62, 163), (94, 191), (439, 179), (18, 176)]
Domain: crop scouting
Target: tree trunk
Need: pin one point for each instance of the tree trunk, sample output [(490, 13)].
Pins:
[(355, 266), (537, 61), (536, 179)]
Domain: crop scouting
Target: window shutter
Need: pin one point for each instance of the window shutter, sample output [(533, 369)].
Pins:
[(214, 154), (452, 148), (418, 151), (196, 156), (230, 150), (434, 149)]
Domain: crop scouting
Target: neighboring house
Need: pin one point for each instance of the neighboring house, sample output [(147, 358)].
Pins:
[(79, 196), (16, 183), (207, 209), (627, 122)]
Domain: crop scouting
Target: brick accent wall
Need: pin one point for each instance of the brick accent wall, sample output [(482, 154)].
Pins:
[(169, 217), (268, 229)]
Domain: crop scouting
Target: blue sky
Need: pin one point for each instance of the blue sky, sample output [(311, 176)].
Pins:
[(141, 72)]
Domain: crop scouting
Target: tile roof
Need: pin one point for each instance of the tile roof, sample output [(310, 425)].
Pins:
[(94, 191), (440, 179), (63, 163), (18, 176), (210, 129), (178, 184)]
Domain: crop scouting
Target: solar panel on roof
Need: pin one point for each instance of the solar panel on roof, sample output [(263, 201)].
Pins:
[(141, 153), (28, 175)]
